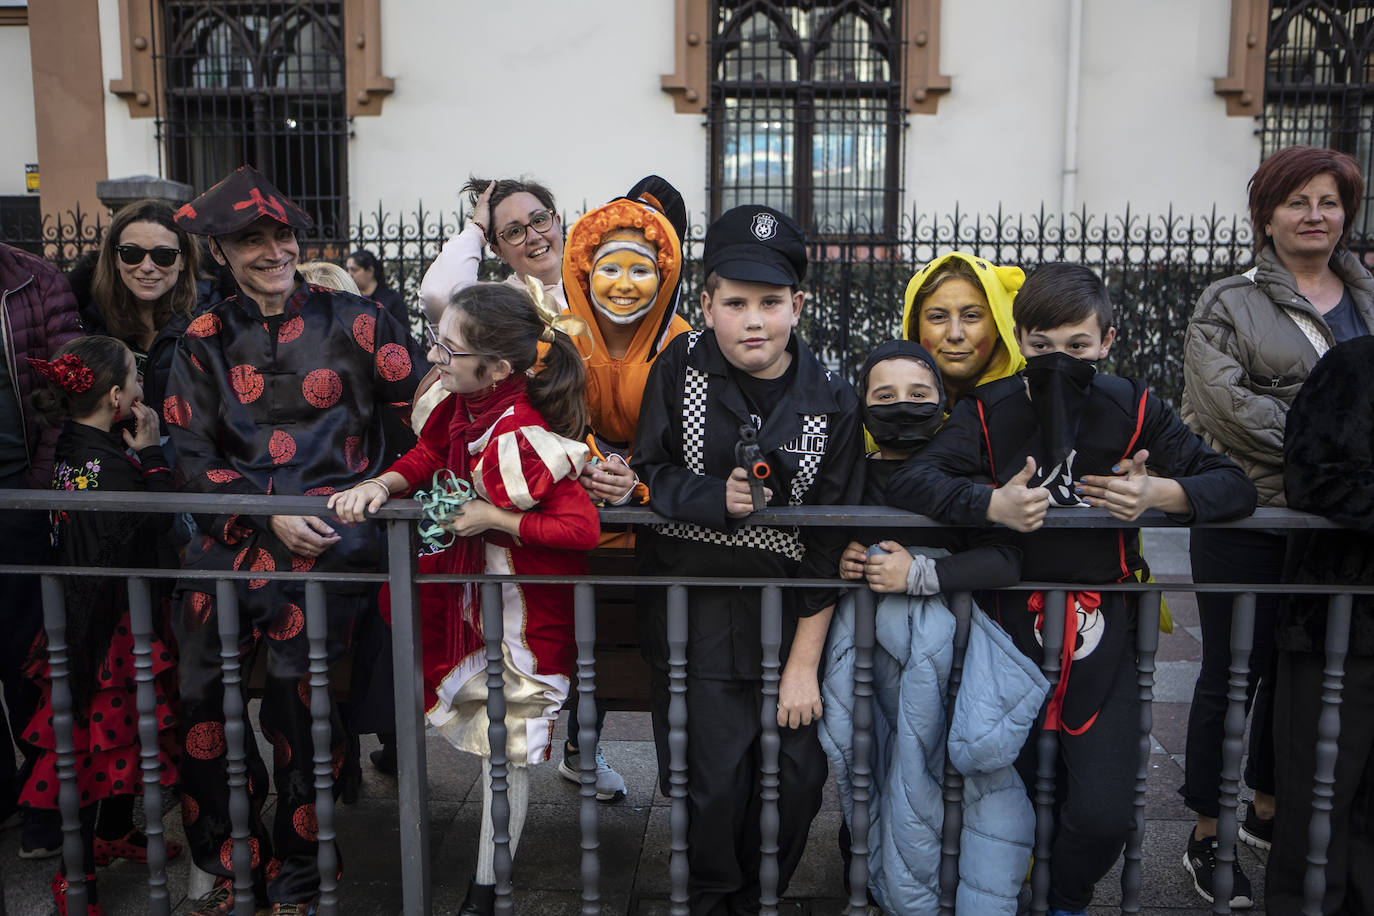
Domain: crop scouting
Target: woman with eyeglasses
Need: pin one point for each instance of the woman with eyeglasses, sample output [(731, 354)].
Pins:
[(518, 221), (144, 289)]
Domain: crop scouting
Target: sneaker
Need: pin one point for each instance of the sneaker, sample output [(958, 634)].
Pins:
[(41, 836), (293, 909), (1256, 831), (1200, 861), (218, 902), (610, 787)]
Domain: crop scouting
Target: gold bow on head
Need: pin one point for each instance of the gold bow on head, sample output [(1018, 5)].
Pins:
[(553, 318)]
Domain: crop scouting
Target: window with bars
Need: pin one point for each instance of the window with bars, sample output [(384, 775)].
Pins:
[(1319, 84), (259, 82), (805, 111)]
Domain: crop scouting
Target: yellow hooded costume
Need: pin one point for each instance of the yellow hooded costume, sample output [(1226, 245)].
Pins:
[(999, 287)]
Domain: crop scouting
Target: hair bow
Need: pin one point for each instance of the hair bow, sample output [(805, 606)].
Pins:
[(553, 318), (66, 372)]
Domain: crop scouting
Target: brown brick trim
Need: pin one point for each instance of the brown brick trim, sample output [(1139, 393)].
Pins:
[(64, 40), (138, 39), (690, 79), (14, 15), (365, 83), (1243, 84)]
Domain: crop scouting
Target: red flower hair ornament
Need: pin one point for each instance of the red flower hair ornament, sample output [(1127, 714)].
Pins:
[(66, 372)]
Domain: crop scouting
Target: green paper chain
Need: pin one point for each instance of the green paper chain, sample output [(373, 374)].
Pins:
[(440, 504)]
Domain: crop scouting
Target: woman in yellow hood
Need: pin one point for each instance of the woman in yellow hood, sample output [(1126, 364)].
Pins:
[(959, 308)]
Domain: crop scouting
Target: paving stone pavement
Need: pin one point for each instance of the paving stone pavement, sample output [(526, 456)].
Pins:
[(633, 834)]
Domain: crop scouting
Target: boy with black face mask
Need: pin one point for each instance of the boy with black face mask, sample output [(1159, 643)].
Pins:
[(903, 406), (1060, 432)]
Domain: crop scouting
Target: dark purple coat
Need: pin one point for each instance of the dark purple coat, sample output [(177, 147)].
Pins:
[(37, 316)]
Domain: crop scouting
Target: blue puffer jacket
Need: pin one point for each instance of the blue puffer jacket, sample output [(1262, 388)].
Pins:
[(999, 697)]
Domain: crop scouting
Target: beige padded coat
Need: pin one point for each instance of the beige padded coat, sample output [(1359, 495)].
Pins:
[(1250, 344)]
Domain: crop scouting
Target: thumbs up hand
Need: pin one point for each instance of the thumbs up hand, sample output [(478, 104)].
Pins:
[(1126, 494), (1017, 506)]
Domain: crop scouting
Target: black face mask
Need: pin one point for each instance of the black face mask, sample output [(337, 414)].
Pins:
[(903, 427), (1059, 386)]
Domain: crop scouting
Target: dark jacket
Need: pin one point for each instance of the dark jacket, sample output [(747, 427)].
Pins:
[(1328, 457), (37, 317), (685, 449)]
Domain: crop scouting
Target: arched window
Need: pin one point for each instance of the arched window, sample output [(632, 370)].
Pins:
[(1319, 84), (805, 111), (262, 83)]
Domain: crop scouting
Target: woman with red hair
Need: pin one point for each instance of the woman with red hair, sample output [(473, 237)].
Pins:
[(1250, 344)]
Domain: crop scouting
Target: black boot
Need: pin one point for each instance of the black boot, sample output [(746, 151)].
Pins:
[(351, 772), (384, 758), (480, 900)]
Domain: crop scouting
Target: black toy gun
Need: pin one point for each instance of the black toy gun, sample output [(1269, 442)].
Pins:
[(749, 456)]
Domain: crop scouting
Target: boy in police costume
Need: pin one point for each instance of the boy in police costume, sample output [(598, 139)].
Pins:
[(747, 368)]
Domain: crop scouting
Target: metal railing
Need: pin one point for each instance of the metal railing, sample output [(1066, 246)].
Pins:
[(398, 518)]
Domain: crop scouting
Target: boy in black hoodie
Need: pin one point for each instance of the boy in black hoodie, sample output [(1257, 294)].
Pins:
[(1060, 433)]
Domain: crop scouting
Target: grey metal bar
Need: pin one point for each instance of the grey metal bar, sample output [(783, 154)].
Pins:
[(322, 735), (493, 627), (770, 628), (1146, 644), (235, 739), (678, 866), (588, 740), (1047, 755), (1242, 641), (410, 727), (60, 696), (1328, 735), (961, 604), (865, 608), (141, 628)]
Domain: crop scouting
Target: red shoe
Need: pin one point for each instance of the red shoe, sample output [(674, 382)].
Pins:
[(132, 846), (59, 895)]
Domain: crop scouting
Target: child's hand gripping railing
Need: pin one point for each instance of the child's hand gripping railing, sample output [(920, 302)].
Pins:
[(439, 505)]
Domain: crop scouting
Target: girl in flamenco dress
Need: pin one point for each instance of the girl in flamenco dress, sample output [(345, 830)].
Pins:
[(511, 429), (92, 386)]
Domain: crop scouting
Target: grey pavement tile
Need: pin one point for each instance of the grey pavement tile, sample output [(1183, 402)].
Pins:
[(1174, 681), (635, 761), (1170, 725), (1164, 883)]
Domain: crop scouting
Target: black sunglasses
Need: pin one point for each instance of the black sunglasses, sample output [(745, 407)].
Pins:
[(134, 254)]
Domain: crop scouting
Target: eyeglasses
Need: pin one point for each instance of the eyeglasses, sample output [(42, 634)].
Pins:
[(540, 221), (134, 254), (446, 355)]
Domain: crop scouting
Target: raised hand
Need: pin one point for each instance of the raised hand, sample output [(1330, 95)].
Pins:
[(1019, 507), (1126, 494)]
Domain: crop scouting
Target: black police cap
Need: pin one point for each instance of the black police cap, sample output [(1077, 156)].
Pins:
[(756, 244)]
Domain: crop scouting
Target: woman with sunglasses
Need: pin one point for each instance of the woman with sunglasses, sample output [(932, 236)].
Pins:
[(144, 289), (518, 221)]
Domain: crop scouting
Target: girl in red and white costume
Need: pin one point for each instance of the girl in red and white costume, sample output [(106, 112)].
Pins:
[(514, 436)]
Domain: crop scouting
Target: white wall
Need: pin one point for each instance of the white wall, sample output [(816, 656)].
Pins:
[(130, 143), (1152, 132), (537, 87), (18, 139)]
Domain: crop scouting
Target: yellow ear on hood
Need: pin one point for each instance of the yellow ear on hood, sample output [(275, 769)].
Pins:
[(1010, 277)]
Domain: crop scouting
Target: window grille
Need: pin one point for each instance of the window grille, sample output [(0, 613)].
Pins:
[(805, 111), (259, 82), (1319, 84)]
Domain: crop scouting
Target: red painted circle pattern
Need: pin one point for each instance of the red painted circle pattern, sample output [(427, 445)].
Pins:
[(303, 819), (206, 325), (322, 388), (205, 740), (302, 564), (273, 868), (176, 411), (290, 621), (261, 562), (190, 809), (246, 382), (281, 446), (221, 475), (290, 329), (319, 491), (393, 362), (226, 853), (353, 455), (197, 610), (195, 362), (303, 689), (364, 331)]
